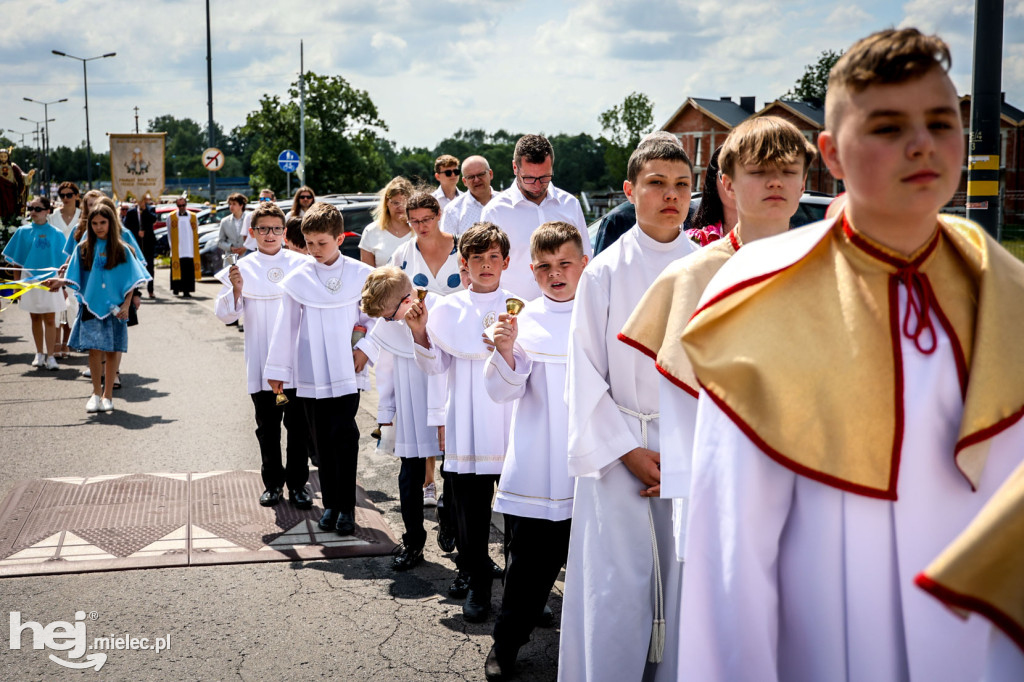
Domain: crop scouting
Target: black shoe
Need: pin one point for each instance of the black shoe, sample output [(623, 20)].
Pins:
[(406, 558), (445, 539), (497, 572), (186, 295), (477, 606), (346, 524), (301, 499), (460, 586), (270, 497), (546, 618), (329, 520), (500, 666)]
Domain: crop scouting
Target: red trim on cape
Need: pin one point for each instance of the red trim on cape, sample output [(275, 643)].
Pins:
[(896, 338), (676, 382), (867, 247), (734, 240), (993, 613), (958, 348), (739, 286), (633, 343), (795, 467), (989, 432)]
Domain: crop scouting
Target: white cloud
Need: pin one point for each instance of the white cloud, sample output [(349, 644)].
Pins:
[(386, 41)]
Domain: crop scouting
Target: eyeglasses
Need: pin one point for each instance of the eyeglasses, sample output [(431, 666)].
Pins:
[(66, 195), (425, 221), (306, 196), (276, 229), (530, 180), (450, 172), (391, 317), (37, 209), (477, 176)]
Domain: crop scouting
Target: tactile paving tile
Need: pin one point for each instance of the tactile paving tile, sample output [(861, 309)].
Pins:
[(70, 525)]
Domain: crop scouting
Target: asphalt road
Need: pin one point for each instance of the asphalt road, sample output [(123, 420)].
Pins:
[(184, 408)]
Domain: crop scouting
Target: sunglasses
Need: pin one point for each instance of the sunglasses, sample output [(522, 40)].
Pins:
[(265, 199), (263, 230), (306, 196), (37, 209), (450, 172), (66, 195)]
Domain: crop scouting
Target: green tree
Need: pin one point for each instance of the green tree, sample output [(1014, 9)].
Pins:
[(183, 146), (811, 86), (345, 151), (624, 125)]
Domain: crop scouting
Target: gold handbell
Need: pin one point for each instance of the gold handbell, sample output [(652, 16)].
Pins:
[(421, 294), (375, 434), (514, 305), (281, 400)]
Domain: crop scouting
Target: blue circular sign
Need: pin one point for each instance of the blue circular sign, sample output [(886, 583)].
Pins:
[(288, 161)]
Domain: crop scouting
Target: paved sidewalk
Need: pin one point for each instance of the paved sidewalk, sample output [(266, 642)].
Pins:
[(184, 408)]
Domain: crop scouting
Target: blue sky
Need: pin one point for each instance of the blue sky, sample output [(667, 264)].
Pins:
[(433, 68)]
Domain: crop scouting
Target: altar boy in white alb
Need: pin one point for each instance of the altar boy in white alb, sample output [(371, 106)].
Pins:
[(622, 568), (312, 348), (861, 399), (535, 490), (476, 428), (254, 285)]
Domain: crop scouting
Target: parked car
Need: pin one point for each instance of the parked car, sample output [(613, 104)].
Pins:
[(812, 209)]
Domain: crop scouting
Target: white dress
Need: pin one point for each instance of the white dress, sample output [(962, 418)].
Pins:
[(535, 479), (261, 301), (310, 346), (476, 428), (613, 407), (404, 391)]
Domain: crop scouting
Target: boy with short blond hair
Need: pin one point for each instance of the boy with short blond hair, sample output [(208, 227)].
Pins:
[(253, 286), (764, 164), (314, 328), (403, 399), (528, 366), (620, 555), (860, 402), (476, 428)]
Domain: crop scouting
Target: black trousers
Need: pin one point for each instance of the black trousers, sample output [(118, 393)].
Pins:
[(187, 283), (472, 494), (149, 251), (535, 551), (410, 494), (335, 437), (295, 473)]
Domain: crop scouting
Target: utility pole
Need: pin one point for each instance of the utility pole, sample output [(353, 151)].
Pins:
[(136, 120), (302, 117), (46, 140), (209, 103), (983, 160), (85, 76)]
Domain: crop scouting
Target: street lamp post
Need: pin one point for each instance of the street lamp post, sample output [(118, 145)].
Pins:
[(40, 140), (85, 76), (46, 127)]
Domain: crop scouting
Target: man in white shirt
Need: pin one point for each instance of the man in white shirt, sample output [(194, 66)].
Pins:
[(524, 206), (446, 171), (466, 208)]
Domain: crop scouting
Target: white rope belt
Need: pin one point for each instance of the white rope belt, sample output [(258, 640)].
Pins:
[(657, 646)]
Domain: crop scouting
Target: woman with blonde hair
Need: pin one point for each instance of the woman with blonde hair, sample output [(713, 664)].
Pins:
[(390, 228)]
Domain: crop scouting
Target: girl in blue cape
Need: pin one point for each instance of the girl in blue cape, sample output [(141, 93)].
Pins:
[(103, 272), (37, 249)]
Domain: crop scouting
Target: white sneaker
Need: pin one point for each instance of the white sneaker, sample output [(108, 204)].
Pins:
[(106, 405), (51, 363), (94, 404), (429, 495), (87, 373), (39, 360)]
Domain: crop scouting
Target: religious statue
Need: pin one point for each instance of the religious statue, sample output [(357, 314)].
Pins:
[(14, 186)]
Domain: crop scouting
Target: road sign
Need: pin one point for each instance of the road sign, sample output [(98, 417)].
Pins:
[(213, 159), (288, 161)]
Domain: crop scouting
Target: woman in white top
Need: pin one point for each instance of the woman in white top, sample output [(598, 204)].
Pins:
[(66, 220), (390, 228), (431, 257)]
